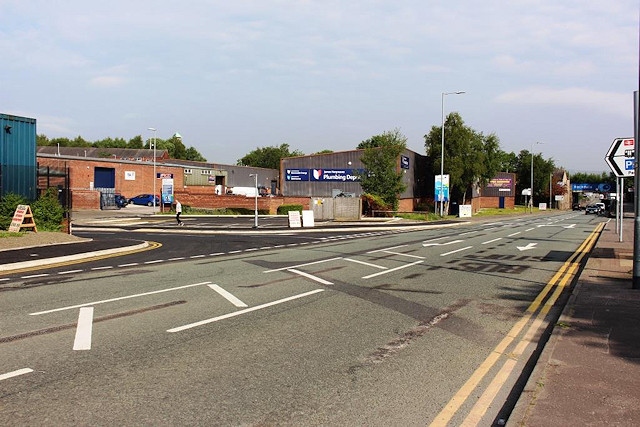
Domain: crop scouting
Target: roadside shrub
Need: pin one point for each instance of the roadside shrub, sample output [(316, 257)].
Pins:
[(371, 203), (47, 211), (8, 205), (285, 209)]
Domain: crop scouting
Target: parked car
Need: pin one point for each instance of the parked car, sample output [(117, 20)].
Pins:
[(121, 201), (577, 207), (591, 209), (144, 199)]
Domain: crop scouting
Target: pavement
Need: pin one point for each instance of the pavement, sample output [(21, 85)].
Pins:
[(588, 372)]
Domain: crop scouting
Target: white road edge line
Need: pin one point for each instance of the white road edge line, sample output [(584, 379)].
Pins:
[(117, 299), (457, 250), (84, 329), (310, 276), (15, 373), (228, 296), (391, 270), (247, 310)]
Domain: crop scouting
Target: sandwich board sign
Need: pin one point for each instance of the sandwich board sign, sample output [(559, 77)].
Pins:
[(22, 218)]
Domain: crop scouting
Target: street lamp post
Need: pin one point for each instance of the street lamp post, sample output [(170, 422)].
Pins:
[(154, 167), (531, 199), (255, 214), (441, 194)]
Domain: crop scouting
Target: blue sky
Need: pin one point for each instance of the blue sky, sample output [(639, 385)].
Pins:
[(231, 76)]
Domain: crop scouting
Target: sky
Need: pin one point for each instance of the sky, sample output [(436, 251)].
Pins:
[(233, 76)]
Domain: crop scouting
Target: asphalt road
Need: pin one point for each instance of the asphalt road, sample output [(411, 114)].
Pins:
[(346, 328)]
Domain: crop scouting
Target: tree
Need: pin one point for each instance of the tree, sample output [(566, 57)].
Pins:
[(268, 157), (380, 158), (470, 158), (542, 170)]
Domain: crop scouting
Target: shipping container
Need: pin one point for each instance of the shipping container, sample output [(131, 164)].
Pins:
[(18, 169)]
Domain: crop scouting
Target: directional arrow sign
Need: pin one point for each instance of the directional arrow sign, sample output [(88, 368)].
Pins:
[(526, 248), (621, 157)]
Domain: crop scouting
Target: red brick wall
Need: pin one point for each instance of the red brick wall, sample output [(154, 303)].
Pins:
[(205, 197), (85, 199), (81, 174)]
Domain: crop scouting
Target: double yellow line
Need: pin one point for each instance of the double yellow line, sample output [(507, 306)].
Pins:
[(559, 281)]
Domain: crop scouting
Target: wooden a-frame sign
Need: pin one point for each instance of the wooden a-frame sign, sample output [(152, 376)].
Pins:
[(22, 218)]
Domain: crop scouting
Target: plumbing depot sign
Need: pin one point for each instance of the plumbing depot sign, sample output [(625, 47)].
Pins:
[(324, 175)]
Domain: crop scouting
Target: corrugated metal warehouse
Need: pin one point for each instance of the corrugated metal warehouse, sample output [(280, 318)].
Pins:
[(330, 174), (18, 171)]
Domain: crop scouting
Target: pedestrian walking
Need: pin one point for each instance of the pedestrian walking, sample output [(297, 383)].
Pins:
[(178, 212)]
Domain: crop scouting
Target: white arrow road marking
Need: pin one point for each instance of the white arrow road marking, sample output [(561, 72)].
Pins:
[(557, 225), (84, 329), (228, 296), (526, 248), (15, 373), (442, 244)]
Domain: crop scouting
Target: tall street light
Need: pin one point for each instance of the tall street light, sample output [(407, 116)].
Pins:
[(255, 214), (154, 167), (531, 201), (441, 194)]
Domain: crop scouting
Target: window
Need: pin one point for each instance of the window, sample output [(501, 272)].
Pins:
[(205, 172), (188, 171)]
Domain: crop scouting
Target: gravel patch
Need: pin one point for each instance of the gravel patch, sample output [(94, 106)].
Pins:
[(41, 238)]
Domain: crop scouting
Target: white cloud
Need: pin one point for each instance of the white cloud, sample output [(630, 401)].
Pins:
[(604, 102)]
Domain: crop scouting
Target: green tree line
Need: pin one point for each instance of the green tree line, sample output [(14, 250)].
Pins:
[(173, 145)]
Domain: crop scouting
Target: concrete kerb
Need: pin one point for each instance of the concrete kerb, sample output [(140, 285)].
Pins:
[(70, 258)]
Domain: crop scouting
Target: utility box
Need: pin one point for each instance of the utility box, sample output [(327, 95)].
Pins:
[(18, 167)]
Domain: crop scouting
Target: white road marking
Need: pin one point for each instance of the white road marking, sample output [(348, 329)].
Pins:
[(303, 265), (15, 373), (84, 329), (247, 310), (366, 263), (34, 276), (457, 250), (434, 240), (526, 248), (391, 270), (228, 296), (403, 254), (442, 244), (102, 268), (117, 299), (176, 259), (514, 234), (216, 254), (310, 276), (128, 265), (468, 232), (196, 256), (491, 241), (386, 249), (5, 279), (69, 271), (155, 261)]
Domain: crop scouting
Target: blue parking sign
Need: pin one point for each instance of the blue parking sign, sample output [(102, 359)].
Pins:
[(628, 164)]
